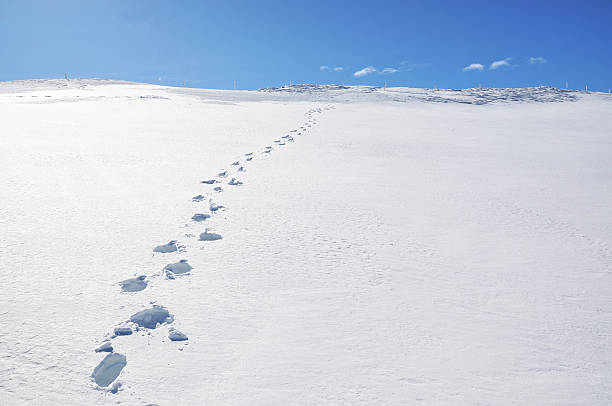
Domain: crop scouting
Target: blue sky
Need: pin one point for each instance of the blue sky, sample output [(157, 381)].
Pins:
[(210, 44)]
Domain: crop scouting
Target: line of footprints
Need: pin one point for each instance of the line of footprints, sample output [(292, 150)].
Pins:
[(106, 373)]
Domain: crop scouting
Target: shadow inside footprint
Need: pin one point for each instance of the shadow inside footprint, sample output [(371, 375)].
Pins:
[(200, 217), (150, 318), (166, 248), (207, 236), (175, 335), (109, 369), (134, 284), (179, 268)]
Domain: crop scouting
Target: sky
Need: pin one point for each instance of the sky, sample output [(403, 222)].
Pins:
[(211, 44)]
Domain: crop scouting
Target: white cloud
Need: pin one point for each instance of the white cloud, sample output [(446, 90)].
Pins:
[(365, 71), (537, 60), (323, 67), (370, 69), (499, 64), (473, 66), (338, 69)]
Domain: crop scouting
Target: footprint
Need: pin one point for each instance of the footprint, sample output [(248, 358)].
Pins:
[(248, 154), (222, 174), (106, 346), (242, 169), (208, 236), (178, 268), (197, 198), (122, 331), (151, 318), (214, 206), (234, 182), (236, 163), (109, 369), (175, 335), (209, 181), (200, 217), (218, 189), (250, 158), (166, 248), (134, 284)]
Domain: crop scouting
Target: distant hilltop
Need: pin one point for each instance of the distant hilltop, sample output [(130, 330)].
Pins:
[(316, 92)]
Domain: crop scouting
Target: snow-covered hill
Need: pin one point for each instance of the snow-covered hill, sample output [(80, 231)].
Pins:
[(304, 245)]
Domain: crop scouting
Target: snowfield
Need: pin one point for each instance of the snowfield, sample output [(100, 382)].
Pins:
[(303, 246)]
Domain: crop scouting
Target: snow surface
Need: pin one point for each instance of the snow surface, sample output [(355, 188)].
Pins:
[(398, 246)]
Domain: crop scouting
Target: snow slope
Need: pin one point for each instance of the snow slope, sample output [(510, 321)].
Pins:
[(399, 246)]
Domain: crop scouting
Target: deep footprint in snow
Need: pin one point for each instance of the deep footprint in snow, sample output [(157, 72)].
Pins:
[(214, 206), (208, 236), (178, 268), (109, 369), (218, 189), (250, 158), (200, 217), (166, 248), (242, 169), (175, 335), (248, 154), (222, 174), (134, 284), (106, 346), (234, 182), (209, 181), (122, 331), (198, 198), (151, 318), (236, 163)]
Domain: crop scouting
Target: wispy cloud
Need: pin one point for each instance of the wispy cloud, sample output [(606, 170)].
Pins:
[(499, 64), (537, 60), (323, 67), (473, 66), (370, 69), (365, 71), (338, 69), (408, 66)]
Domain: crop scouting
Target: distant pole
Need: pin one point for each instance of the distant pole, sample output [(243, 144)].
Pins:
[(66, 75), (586, 88), (290, 83), (234, 84), (566, 84)]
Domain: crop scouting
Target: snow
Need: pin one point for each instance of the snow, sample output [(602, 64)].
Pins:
[(409, 246)]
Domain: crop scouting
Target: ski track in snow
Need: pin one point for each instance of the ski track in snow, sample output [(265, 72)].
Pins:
[(106, 373)]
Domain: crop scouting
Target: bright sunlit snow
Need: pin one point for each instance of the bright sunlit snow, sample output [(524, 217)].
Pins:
[(365, 246)]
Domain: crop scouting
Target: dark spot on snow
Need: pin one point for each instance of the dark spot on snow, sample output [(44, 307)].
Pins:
[(134, 284), (178, 268), (200, 217), (166, 248), (109, 369), (150, 318)]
